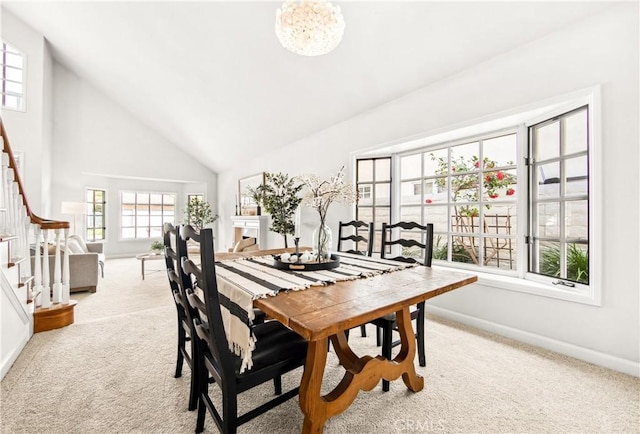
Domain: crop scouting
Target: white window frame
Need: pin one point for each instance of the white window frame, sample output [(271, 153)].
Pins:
[(104, 213), (591, 293), (136, 192), (522, 118), (23, 95)]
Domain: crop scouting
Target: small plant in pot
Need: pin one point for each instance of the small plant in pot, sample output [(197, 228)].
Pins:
[(157, 246), (256, 195)]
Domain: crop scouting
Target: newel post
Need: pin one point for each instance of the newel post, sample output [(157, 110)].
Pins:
[(65, 269)]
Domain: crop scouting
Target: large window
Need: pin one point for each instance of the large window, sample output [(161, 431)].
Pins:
[(12, 78), (373, 179), (467, 189), (143, 214), (96, 212), (559, 192), (515, 198)]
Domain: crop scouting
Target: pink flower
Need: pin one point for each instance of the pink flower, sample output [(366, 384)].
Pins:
[(493, 195), (500, 176), (428, 201), (510, 192), (489, 178), (477, 164)]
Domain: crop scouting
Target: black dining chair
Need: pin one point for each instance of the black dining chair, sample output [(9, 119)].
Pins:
[(362, 245), (179, 283), (352, 231), (415, 242), (277, 351)]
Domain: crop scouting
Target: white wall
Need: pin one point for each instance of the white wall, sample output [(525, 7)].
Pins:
[(30, 131), (602, 50), (98, 144)]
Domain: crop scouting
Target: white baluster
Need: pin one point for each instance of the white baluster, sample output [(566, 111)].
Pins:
[(26, 269), (3, 193), (9, 203), (17, 207), (37, 272), (46, 289), (65, 269), (57, 285)]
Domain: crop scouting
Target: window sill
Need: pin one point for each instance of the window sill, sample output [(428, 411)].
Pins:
[(527, 286)]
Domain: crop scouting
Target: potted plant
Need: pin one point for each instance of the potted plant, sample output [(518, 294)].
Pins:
[(157, 246), (256, 195), (198, 213), (280, 198)]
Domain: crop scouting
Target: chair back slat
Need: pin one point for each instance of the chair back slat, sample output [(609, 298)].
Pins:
[(425, 232), (355, 237), (210, 325)]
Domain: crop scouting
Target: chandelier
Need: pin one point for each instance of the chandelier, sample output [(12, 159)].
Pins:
[(309, 27)]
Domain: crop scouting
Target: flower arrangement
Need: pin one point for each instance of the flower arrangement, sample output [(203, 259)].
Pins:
[(320, 195)]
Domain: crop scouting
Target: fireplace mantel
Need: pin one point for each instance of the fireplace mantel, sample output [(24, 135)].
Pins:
[(251, 226)]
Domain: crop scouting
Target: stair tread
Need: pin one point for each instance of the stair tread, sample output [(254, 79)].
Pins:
[(25, 280)]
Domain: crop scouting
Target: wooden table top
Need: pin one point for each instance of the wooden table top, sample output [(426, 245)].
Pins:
[(319, 312)]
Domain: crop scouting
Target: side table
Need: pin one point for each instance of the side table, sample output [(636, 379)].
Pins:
[(149, 256)]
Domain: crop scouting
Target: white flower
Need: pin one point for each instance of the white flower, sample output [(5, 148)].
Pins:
[(321, 194)]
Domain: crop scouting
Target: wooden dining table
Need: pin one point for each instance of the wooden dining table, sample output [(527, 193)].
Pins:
[(328, 311)]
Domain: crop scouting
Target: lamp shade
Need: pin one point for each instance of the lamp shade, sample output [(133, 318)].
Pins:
[(73, 208)]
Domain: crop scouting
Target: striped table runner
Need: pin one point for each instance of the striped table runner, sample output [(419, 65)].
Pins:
[(241, 281)]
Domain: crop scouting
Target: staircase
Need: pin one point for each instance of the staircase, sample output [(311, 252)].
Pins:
[(29, 302)]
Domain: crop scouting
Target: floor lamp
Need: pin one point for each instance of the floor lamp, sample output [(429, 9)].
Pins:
[(74, 208)]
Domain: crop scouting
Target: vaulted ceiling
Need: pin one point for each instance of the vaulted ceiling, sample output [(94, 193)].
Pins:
[(213, 78)]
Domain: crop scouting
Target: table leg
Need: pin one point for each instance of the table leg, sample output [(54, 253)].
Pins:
[(362, 373), (142, 262), (311, 402)]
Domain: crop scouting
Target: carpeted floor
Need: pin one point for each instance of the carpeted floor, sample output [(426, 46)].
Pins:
[(112, 372)]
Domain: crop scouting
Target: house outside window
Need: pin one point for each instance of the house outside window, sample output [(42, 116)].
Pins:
[(373, 180), (144, 214), (96, 200), (12, 78)]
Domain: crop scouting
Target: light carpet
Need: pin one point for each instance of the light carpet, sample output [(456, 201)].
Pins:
[(112, 372)]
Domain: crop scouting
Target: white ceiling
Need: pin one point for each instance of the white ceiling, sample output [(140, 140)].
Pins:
[(212, 77)]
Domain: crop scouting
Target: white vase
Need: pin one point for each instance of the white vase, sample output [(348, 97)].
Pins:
[(322, 242)]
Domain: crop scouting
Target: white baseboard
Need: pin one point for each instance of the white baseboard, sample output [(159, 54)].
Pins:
[(597, 358)]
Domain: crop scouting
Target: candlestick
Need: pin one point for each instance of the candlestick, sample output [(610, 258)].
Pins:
[(296, 240), (297, 224)]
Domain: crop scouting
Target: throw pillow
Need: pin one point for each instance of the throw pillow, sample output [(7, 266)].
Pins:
[(80, 242), (74, 246)]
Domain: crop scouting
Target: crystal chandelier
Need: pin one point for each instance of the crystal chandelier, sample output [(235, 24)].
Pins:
[(309, 27)]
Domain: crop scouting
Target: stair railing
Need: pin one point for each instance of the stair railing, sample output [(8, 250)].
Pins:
[(19, 224)]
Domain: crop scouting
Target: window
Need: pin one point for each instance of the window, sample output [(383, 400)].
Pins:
[(199, 197), (373, 179), (143, 214), (515, 199), (12, 78), (467, 189), (559, 191), (96, 212)]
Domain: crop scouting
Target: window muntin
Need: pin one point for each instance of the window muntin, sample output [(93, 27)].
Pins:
[(12, 85), (467, 189), (96, 201), (143, 214), (373, 180), (559, 192)]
